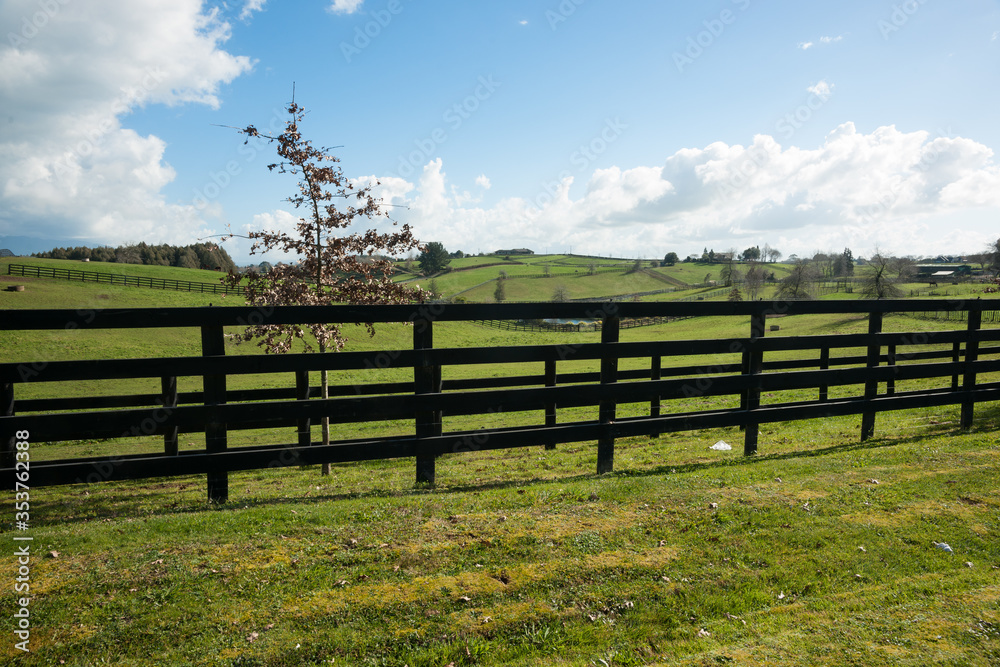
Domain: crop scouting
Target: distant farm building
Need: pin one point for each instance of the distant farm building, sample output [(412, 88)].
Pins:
[(942, 271), (515, 251), (6, 253)]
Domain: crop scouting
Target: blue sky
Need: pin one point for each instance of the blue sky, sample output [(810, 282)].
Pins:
[(628, 129)]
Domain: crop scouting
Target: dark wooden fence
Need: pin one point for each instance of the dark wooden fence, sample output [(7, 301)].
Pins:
[(875, 360), (115, 279)]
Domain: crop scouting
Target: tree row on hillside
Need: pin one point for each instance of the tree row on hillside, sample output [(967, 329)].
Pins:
[(196, 256), (709, 256), (879, 277)]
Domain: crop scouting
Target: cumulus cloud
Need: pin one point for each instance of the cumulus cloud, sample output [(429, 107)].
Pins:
[(250, 7), (345, 6), (888, 187), (483, 182), (67, 160), (805, 46), (278, 220), (823, 89)]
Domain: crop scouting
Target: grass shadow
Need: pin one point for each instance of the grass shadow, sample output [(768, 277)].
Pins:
[(157, 497)]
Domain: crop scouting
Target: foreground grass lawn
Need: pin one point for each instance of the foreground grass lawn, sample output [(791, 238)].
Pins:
[(819, 552)]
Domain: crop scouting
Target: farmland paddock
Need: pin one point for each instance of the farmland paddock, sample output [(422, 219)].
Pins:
[(864, 367), (115, 279)]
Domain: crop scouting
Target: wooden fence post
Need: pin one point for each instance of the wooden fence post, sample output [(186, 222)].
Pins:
[(607, 409), (168, 397), (213, 343), (971, 355), (956, 356), (824, 364), (890, 384), (7, 410), (744, 370), (755, 366), (550, 408), (655, 373), (426, 380), (871, 386), (304, 429)]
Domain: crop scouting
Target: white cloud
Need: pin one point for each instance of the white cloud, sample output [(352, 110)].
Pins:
[(345, 6), (278, 220), (250, 7), (69, 168), (483, 182), (822, 89), (887, 187), (525, 22), (822, 40)]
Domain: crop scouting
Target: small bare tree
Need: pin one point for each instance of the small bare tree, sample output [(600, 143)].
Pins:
[(993, 255), (980, 258), (336, 265), (753, 281), (881, 275), (729, 274), (795, 286)]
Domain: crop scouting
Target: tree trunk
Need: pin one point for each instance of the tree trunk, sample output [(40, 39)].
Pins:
[(325, 392), (326, 420)]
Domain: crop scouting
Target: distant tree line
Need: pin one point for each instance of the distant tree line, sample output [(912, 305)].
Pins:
[(196, 256)]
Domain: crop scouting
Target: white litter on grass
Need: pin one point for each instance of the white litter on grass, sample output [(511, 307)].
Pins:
[(721, 446), (943, 546)]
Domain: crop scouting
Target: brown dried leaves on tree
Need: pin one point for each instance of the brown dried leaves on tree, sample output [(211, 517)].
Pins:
[(337, 265)]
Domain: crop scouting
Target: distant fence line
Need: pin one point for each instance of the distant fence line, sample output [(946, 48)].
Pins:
[(115, 279), (570, 327), (990, 316)]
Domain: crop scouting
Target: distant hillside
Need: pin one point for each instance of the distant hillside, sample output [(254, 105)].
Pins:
[(197, 256)]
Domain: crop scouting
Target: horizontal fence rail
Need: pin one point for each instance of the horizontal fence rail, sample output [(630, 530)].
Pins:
[(570, 327), (673, 378), (115, 279)]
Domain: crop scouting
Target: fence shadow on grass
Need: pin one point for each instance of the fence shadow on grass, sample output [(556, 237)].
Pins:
[(157, 498)]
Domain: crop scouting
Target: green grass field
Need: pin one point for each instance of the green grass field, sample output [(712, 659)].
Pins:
[(610, 277), (166, 272), (818, 551)]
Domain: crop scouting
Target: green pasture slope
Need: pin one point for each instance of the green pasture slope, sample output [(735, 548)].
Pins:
[(165, 272), (474, 278), (819, 551)]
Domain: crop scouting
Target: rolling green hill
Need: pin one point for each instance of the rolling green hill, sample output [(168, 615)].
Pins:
[(536, 277), (146, 271)]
